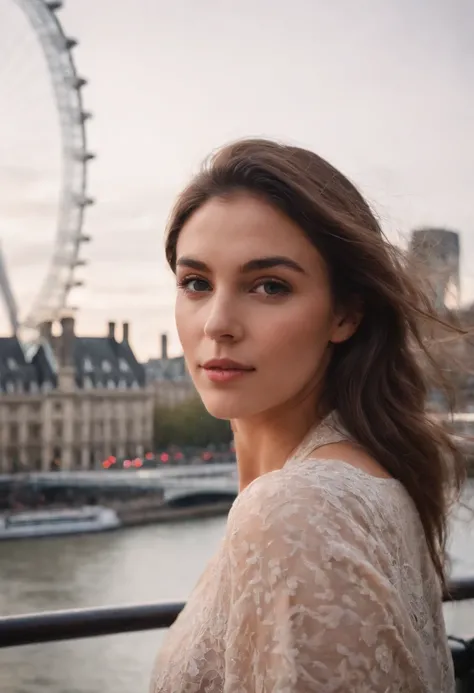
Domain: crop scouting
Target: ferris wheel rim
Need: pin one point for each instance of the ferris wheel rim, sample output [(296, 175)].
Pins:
[(51, 300)]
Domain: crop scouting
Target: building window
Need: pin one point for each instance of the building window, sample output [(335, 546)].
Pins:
[(123, 365), (12, 457), (12, 364), (47, 386), (98, 429), (13, 433), (58, 429), (37, 462), (78, 458), (88, 384), (34, 387), (111, 384), (10, 387), (106, 366), (135, 385), (58, 407), (122, 384), (56, 461), (88, 365), (34, 432)]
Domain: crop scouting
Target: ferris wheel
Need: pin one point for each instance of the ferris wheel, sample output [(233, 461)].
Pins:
[(51, 298)]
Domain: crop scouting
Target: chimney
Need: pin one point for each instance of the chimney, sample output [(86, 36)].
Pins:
[(125, 332), (164, 347), (46, 331), (111, 334), (66, 353)]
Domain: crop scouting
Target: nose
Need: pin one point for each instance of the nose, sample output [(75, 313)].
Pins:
[(222, 323)]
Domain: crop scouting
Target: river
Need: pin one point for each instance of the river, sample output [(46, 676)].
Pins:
[(143, 564)]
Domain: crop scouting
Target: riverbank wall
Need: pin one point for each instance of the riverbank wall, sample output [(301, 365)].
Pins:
[(131, 514)]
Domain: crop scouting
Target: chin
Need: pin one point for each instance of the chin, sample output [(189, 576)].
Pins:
[(227, 406)]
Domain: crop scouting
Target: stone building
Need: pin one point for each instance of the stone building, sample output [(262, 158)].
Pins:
[(437, 256), (72, 402), (169, 379), (438, 252)]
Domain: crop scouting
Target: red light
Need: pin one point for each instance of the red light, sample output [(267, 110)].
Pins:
[(178, 456), (137, 462), (206, 456), (164, 457), (149, 456), (112, 459), (127, 463)]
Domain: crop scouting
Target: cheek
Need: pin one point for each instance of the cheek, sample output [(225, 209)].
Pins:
[(299, 332)]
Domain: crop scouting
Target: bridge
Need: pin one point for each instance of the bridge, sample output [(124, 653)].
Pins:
[(219, 487), (141, 477), (197, 482)]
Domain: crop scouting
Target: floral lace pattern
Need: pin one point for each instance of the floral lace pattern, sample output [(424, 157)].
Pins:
[(323, 583)]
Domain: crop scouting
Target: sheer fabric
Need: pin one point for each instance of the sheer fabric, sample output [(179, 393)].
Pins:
[(323, 583)]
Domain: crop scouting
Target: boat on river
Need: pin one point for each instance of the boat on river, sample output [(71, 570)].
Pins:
[(56, 522)]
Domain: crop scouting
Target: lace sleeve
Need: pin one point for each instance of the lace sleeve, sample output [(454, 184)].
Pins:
[(309, 608)]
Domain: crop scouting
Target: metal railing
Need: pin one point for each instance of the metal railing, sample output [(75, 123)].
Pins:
[(54, 626), (73, 624)]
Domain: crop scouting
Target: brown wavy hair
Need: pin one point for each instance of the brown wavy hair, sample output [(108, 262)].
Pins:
[(377, 380)]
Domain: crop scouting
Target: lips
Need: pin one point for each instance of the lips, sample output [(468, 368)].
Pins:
[(223, 371), (226, 365)]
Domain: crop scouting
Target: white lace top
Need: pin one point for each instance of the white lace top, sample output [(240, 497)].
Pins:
[(323, 583)]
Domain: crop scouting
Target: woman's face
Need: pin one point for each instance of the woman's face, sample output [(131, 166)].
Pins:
[(253, 290)]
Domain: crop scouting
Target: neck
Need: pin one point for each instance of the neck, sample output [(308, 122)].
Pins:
[(264, 445)]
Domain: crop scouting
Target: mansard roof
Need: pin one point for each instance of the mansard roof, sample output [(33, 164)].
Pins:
[(98, 362), (172, 369), (105, 362), (16, 373)]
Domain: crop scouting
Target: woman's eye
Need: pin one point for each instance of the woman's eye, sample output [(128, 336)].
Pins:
[(194, 285), (272, 288)]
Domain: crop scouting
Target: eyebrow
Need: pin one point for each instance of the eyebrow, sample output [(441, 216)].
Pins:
[(260, 263)]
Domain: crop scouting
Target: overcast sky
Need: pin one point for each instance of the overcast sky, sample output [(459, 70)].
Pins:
[(382, 88)]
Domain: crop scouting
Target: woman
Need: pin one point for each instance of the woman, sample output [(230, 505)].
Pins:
[(299, 324)]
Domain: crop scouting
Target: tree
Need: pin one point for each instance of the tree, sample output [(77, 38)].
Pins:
[(189, 424)]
